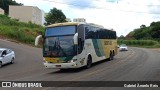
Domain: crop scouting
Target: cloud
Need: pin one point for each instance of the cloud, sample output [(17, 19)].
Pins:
[(124, 16), (39, 3), (121, 15), (154, 9), (112, 1), (45, 5), (79, 4)]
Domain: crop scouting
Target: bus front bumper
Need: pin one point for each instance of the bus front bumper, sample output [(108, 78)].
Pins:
[(60, 65)]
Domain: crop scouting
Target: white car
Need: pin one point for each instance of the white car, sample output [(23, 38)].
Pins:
[(123, 47), (6, 56)]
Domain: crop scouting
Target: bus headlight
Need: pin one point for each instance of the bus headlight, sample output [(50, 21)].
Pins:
[(73, 60), (44, 60)]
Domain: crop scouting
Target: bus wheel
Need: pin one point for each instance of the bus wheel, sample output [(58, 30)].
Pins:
[(89, 62), (0, 64), (111, 57), (62, 69)]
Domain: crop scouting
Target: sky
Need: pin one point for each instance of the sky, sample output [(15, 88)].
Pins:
[(121, 15)]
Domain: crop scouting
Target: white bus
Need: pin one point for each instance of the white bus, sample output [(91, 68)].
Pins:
[(74, 45)]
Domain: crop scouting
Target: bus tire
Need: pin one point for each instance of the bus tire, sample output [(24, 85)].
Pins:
[(0, 64), (62, 69), (89, 62), (113, 53), (111, 56)]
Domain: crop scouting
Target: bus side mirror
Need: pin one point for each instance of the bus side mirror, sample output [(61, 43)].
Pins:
[(37, 39), (75, 38)]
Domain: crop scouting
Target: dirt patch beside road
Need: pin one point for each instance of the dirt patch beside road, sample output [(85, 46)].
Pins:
[(156, 49)]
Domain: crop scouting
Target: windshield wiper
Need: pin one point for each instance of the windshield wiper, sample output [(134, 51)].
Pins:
[(59, 47)]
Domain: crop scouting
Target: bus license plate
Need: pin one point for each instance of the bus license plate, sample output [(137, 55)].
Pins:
[(53, 60)]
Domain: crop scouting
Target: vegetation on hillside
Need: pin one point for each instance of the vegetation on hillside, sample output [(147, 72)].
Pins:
[(23, 32), (141, 43), (150, 32), (143, 36)]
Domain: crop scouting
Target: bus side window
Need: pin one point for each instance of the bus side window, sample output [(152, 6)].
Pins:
[(86, 32), (80, 45)]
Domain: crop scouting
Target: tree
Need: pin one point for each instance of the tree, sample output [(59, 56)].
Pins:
[(121, 37), (55, 16), (4, 4), (155, 31), (142, 26), (138, 33), (130, 35), (149, 32)]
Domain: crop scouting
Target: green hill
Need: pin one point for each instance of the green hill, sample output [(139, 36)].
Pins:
[(20, 31), (150, 32), (145, 36)]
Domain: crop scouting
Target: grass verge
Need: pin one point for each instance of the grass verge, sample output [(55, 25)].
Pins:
[(20, 31), (141, 43)]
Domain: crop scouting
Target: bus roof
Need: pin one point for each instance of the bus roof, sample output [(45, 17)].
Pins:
[(75, 23), (63, 24), (96, 25)]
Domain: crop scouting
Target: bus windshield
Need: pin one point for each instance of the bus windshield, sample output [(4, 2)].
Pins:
[(59, 46), (58, 41), (60, 30)]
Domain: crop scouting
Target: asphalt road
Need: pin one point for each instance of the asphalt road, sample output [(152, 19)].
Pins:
[(137, 64)]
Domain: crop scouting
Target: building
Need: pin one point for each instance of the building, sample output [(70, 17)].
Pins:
[(1, 11), (27, 14), (43, 17), (79, 20)]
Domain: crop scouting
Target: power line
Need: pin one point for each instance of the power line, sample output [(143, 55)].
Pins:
[(75, 4)]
